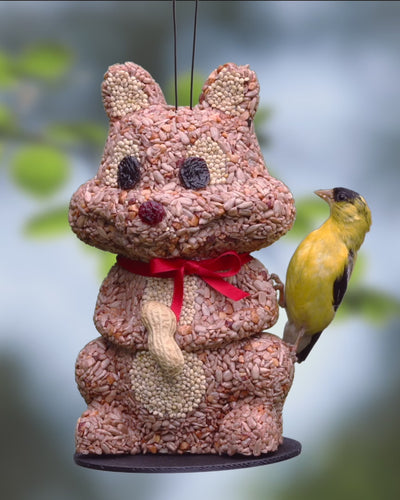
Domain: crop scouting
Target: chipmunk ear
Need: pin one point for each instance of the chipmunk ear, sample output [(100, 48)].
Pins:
[(232, 89), (128, 88)]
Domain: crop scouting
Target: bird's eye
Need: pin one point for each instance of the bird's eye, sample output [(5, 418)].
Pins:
[(341, 197), (128, 172), (194, 173)]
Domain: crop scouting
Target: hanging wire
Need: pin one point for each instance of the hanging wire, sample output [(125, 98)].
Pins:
[(175, 57), (193, 53), (175, 53)]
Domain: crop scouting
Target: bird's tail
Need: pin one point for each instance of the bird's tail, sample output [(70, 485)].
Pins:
[(304, 343)]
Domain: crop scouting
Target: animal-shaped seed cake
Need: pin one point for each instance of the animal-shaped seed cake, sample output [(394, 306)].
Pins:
[(182, 196)]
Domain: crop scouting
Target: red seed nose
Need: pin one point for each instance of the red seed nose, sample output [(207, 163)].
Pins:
[(151, 212)]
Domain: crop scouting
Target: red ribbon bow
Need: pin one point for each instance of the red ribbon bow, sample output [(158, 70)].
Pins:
[(212, 271)]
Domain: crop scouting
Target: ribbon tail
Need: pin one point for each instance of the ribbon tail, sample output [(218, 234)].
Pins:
[(226, 288), (177, 299)]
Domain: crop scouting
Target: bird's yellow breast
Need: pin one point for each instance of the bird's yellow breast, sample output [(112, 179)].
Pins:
[(318, 261)]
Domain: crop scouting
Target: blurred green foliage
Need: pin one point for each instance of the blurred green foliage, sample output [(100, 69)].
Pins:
[(310, 214), (373, 304), (183, 84), (40, 161), (7, 71), (7, 119), (52, 222), (40, 170), (73, 134), (46, 62)]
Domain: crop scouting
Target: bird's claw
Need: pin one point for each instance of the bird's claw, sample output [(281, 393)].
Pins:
[(279, 287)]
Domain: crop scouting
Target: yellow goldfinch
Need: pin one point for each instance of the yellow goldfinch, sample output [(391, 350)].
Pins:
[(321, 266)]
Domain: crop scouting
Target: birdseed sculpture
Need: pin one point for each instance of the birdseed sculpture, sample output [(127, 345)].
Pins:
[(182, 197)]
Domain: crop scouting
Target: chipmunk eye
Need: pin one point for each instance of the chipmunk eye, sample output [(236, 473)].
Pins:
[(128, 172), (194, 173)]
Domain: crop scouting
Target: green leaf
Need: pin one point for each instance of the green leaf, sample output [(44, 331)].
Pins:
[(7, 120), (51, 223), (373, 305), (45, 61), (40, 170), (359, 270), (107, 260), (263, 114), (261, 117), (90, 133), (7, 72), (184, 89), (310, 214)]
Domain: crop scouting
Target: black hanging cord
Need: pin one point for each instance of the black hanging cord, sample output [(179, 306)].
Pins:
[(175, 57), (193, 52)]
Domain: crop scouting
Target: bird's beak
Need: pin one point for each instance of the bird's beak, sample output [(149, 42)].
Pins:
[(326, 195)]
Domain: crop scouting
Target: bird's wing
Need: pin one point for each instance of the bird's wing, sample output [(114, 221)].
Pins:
[(340, 284)]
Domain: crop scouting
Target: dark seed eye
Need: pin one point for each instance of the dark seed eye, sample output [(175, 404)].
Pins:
[(194, 173), (128, 172)]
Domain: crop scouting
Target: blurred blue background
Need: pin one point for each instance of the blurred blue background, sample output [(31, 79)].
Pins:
[(329, 116)]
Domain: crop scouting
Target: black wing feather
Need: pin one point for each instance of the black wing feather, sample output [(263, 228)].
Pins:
[(339, 288), (340, 284)]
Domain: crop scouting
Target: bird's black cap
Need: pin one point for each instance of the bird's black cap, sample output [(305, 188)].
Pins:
[(344, 194)]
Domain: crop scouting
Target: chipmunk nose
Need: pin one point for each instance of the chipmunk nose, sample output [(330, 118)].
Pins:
[(151, 212)]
